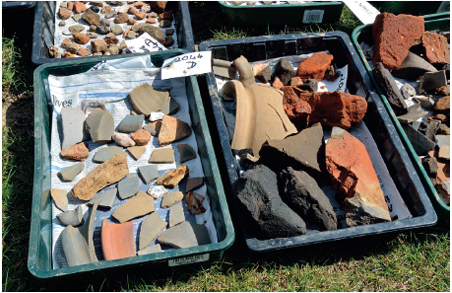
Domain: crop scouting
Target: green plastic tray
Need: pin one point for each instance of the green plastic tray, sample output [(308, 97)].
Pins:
[(363, 33), (413, 8), (282, 14), (39, 254)]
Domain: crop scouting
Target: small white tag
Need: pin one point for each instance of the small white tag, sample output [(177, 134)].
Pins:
[(154, 116), (313, 16), (144, 43), (157, 191), (187, 64), (188, 260), (364, 11)]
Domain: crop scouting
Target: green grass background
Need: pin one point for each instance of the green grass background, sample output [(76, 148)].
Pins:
[(416, 260)]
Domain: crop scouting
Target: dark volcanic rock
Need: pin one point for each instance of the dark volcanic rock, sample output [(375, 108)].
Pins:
[(265, 75), (284, 70), (302, 193), (430, 166), (258, 196)]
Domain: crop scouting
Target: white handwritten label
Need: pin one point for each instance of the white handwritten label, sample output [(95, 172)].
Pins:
[(187, 64), (313, 16), (188, 260), (364, 11), (144, 43)]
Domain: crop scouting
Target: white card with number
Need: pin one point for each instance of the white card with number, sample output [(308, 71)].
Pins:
[(187, 64), (144, 43)]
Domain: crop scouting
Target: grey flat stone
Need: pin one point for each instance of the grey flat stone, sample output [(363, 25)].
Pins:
[(171, 199), (59, 197), (185, 235), (163, 155), (431, 81), (106, 153), (100, 126), (136, 151), (69, 173), (131, 123), (420, 142), (148, 173), (414, 113), (136, 206), (389, 87), (186, 152), (413, 67), (151, 249), (176, 215), (73, 121), (75, 247), (128, 186), (108, 198), (72, 217), (151, 227)]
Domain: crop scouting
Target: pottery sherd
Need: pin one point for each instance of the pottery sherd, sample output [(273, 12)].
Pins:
[(186, 152), (172, 129), (128, 187), (136, 206), (118, 240), (69, 173), (171, 199), (165, 155), (148, 173), (172, 178), (106, 153), (185, 235), (151, 227), (59, 197), (176, 215)]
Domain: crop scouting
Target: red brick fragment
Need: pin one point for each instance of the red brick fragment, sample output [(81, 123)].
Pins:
[(315, 66), (436, 48)]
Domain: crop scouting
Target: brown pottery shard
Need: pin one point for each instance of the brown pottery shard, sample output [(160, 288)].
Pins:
[(171, 199), (118, 240), (78, 152), (173, 129), (172, 178), (393, 36), (59, 197), (194, 202), (109, 172), (141, 136), (355, 180), (260, 114), (137, 206), (315, 66)]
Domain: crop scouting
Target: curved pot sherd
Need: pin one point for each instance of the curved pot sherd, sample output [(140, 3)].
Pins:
[(75, 247), (118, 240)]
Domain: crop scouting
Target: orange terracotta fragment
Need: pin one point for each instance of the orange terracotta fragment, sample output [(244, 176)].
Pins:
[(118, 240), (315, 66)]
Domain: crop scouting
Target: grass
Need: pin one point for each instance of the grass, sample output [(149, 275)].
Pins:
[(417, 260)]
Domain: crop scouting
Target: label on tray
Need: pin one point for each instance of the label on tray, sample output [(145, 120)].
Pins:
[(188, 260), (313, 16), (187, 64), (364, 11)]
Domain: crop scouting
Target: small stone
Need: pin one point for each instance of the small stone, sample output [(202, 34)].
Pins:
[(444, 189), (164, 155), (152, 20), (98, 54), (71, 217), (94, 9), (407, 91), (98, 46), (166, 15), (59, 197), (113, 49), (314, 67), (151, 249), (429, 129), (141, 136), (76, 28), (105, 9), (140, 15), (444, 90), (70, 5), (103, 175), (108, 198), (63, 4), (62, 23), (117, 240), (152, 15), (310, 85), (106, 153), (172, 178), (153, 127), (146, 99), (100, 124), (96, 3), (186, 234), (284, 71), (69, 173), (443, 129), (123, 46), (134, 207), (53, 51), (92, 35), (111, 39), (128, 187), (76, 17), (116, 29), (64, 13), (92, 28), (330, 74), (431, 81), (132, 10), (131, 123), (430, 165), (79, 7), (444, 152), (158, 6), (176, 215), (67, 54), (111, 14), (165, 23), (296, 82), (194, 203), (169, 41), (132, 35), (148, 173), (151, 227), (146, 8), (121, 18), (169, 31), (171, 199), (443, 105), (80, 38), (139, 4), (172, 130), (91, 18), (186, 152), (277, 84), (105, 22), (72, 48), (78, 152), (123, 140), (132, 21)]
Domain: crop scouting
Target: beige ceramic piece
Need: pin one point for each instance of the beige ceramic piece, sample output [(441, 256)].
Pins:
[(136, 151), (59, 196), (260, 115), (151, 249), (162, 155), (151, 227), (171, 199), (136, 206)]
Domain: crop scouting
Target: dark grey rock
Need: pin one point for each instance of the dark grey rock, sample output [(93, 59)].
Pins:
[(75, 247), (302, 193), (420, 142), (76, 28), (103, 30), (105, 22), (148, 173), (186, 152), (106, 153), (185, 235), (169, 41), (431, 81), (389, 87), (94, 9), (265, 75), (131, 123), (413, 67), (414, 113), (258, 198), (108, 198), (429, 128), (71, 217), (407, 91), (169, 31), (128, 187), (430, 165), (69, 173), (74, 131), (176, 215), (165, 23), (151, 227), (100, 126), (311, 85), (284, 70)]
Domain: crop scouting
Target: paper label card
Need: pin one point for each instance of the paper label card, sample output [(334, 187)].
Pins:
[(364, 11), (187, 64), (144, 43)]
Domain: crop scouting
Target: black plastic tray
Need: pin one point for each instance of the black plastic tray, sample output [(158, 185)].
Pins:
[(377, 120), (44, 27), (18, 4)]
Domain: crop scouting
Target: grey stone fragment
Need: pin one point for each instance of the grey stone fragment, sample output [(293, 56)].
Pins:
[(103, 30), (151, 249), (414, 113), (169, 41), (148, 173), (73, 121), (265, 75), (90, 17), (132, 35), (407, 91), (442, 140), (420, 142), (108, 198), (284, 70), (106, 153), (71, 217), (430, 165), (75, 247), (62, 23), (76, 17), (169, 31), (105, 22), (111, 14), (302, 193), (92, 28), (151, 227), (185, 235), (431, 81), (413, 67), (116, 29), (165, 23), (128, 187), (131, 123), (389, 87), (76, 28), (176, 215), (92, 35), (311, 85), (113, 49), (69, 173), (259, 200), (186, 152), (162, 155), (100, 126)]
